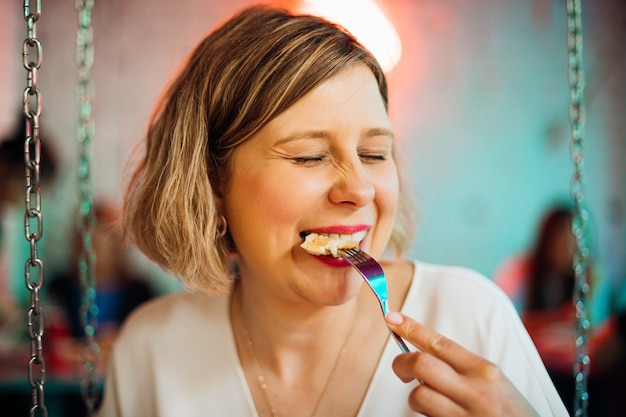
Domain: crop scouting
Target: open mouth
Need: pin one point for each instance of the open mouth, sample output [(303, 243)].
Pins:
[(330, 243)]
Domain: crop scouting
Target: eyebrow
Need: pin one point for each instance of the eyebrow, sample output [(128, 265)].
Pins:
[(321, 134), (379, 131)]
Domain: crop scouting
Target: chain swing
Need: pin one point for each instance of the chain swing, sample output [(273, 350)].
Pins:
[(87, 220), (576, 82), (32, 106), (32, 214)]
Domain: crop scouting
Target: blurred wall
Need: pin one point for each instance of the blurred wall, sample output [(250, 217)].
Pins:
[(479, 100)]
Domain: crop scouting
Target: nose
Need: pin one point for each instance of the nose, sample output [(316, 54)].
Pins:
[(353, 186)]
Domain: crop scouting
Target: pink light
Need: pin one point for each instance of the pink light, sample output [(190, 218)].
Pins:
[(365, 20)]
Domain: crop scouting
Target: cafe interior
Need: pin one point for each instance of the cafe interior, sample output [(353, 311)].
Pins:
[(502, 110)]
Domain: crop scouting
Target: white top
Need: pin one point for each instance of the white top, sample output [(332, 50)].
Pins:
[(176, 355)]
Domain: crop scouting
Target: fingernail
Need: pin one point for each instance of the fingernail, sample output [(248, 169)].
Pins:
[(393, 318)]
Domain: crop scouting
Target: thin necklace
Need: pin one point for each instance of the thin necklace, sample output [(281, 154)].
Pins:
[(261, 378)]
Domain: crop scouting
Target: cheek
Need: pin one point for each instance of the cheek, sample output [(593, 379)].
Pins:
[(261, 201), (279, 199), (388, 193), (386, 202)]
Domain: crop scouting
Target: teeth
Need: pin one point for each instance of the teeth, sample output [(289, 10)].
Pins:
[(329, 244)]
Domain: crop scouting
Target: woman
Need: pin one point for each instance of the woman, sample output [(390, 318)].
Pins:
[(276, 128), (542, 280)]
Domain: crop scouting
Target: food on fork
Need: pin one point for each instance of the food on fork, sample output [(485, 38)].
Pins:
[(330, 244)]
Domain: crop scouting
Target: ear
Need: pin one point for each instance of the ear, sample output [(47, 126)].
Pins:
[(218, 188), (219, 201)]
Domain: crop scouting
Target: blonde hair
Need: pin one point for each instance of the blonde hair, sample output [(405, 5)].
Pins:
[(241, 76)]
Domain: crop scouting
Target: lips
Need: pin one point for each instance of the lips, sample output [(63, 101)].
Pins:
[(330, 243)]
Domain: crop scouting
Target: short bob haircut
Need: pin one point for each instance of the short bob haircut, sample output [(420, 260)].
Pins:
[(240, 77)]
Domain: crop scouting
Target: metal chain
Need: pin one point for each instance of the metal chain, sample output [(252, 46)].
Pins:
[(85, 133), (32, 58), (579, 225)]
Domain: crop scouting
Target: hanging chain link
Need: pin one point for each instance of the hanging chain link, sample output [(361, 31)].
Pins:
[(581, 216), (85, 132), (32, 58)]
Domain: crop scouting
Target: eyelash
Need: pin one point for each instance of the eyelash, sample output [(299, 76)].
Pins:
[(314, 160), (308, 159), (374, 157)]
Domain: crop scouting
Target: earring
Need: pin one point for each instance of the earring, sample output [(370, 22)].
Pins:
[(221, 227)]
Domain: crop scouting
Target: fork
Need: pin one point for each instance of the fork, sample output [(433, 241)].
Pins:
[(374, 276)]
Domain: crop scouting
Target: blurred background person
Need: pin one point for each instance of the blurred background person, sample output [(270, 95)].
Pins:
[(542, 279), (541, 282), (120, 287)]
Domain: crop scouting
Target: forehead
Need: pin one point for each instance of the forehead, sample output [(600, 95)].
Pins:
[(349, 98), (354, 85)]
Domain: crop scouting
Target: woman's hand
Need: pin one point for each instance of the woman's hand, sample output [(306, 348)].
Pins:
[(455, 382)]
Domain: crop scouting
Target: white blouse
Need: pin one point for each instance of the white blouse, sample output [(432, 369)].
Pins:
[(176, 355)]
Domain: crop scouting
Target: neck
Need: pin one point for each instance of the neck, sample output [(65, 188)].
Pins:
[(277, 363), (284, 333)]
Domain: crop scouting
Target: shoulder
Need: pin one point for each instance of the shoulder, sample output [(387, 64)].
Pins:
[(465, 306), (174, 314), (166, 349), (434, 274), (457, 296), (435, 291), (454, 279), (174, 325)]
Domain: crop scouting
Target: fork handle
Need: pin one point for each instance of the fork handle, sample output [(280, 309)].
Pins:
[(400, 342)]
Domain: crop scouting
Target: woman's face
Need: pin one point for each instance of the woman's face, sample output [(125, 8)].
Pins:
[(561, 249), (324, 165)]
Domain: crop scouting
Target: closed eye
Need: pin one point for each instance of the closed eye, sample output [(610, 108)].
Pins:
[(308, 160), (373, 157)]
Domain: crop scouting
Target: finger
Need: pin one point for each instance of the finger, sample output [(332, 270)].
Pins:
[(428, 401), (433, 372), (432, 342)]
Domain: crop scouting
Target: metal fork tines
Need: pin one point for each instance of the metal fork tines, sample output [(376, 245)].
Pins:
[(375, 278)]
